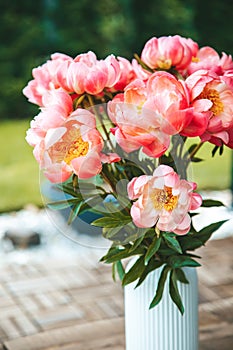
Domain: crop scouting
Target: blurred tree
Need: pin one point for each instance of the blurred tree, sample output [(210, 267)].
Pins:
[(103, 26), (21, 43), (156, 18), (30, 32), (214, 24)]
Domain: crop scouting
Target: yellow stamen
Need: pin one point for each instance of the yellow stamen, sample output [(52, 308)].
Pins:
[(77, 149), (213, 96), (164, 64), (163, 198), (195, 59)]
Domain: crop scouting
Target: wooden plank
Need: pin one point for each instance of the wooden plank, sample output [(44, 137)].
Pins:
[(224, 343), (64, 294), (63, 336), (110, 342)]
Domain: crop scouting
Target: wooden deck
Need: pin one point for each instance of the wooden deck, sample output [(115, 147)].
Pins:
[(75, 305)]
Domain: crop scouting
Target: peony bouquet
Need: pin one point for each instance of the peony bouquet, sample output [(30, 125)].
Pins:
[(118, 137)]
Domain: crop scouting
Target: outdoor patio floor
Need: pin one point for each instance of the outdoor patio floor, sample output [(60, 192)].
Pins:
[(73, 304)]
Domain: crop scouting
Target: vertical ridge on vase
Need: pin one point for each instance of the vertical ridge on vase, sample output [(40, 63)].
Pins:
[(163, 327)]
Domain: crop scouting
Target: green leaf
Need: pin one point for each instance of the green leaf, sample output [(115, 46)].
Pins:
[(143, 64), (110, 221), (63, 204), (123, 202), (193, 214), (174, 292), (221, 149), (172, 242), (123, 254), (181, 276), (191, 149), (164, 252), (114, 270), (152, 265), (112, 208), (214, 150), (136, 244), (207, 231), (117, 234), (120, 270), (124, 235), (211, 203), (134, 272), (153, 248), (69, 189), (74, 212), (195, 240), (196, 160), (160, 287), (181, 261), (113, 250), (110, 232), (190, 242)]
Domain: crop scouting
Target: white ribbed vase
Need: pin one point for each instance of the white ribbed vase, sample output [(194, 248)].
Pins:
[(163, 327)]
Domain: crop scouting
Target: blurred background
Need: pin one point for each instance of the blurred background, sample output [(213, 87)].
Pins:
[(30, 31)]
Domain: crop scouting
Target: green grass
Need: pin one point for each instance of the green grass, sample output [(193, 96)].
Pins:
[(19, 183), (213, 173)]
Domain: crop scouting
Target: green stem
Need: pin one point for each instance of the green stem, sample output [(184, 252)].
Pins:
[(182, 146), (91, 102), (195, 150), (108, 181), (78, 101), (144, 66)]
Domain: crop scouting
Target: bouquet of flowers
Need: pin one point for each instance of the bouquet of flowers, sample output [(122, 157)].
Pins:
[(118, 138)]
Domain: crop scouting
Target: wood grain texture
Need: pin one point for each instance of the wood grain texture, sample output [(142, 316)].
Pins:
[(59, 305)]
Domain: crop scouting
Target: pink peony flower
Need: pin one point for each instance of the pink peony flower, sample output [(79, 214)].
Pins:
[(169, 98), (57, 108), (163, 200), (147, 113), (136, 126), (140, 72), (227, 77), (208, 58), (211, 94), (127, 74), (169, 51), (74, 147), (230, 138), (110, 158), (83, 74), (45, 78), (87, 74)]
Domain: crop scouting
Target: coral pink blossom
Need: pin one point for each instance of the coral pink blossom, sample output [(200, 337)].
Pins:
[(87, 74), (227, 77), (230, 138), (45, 78), (147, 113), (110, 158), (57, 107), (83, 74), (136, 126), (163, 200), (140, 72), (169, 51), (208, 58), (169, 98), (127, 74), (210, 92), (74, 147)]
